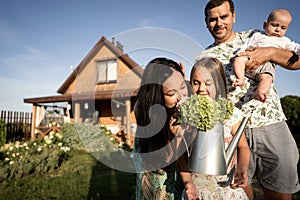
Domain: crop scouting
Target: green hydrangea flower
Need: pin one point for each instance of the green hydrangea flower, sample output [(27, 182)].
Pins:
[(203, 113)]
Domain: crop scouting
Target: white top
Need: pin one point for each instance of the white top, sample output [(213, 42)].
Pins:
[(262, 40)]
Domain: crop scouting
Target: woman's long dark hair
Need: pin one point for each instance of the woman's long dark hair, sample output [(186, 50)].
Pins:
[(151, 95)]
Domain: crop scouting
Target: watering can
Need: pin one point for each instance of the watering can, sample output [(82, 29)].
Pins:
[(208, 154)]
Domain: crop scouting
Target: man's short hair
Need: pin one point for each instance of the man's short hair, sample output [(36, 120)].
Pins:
[(215, 3)]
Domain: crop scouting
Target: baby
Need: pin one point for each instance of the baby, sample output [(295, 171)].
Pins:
[(274, 30)]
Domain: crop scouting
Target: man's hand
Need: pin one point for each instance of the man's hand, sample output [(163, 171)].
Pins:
[(257, 56)]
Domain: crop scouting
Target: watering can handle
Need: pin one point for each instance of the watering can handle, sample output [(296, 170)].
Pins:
[(235, 140)]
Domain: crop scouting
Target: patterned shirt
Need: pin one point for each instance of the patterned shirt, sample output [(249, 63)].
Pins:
[(259, 113)]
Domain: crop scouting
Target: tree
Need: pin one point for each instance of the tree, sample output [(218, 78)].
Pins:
[(291, 108)]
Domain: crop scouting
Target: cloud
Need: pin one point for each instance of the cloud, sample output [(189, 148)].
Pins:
[(18, 89), (159, 21), (29, 64), (7, 33), (29, 74)]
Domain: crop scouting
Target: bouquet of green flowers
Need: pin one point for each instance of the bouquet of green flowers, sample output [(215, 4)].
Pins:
[(202, 112)]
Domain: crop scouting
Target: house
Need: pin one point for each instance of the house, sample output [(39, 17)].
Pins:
[(102, 89)]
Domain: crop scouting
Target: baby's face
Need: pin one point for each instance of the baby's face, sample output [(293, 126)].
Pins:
[(277, 26)]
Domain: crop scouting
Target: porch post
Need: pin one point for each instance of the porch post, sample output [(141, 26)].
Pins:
[(77, 113), (128, 120), (33, 121)]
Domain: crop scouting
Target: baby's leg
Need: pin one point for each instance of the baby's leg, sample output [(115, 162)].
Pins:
[(263, 88), (239, 70)]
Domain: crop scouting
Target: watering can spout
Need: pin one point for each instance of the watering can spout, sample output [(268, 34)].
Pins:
[(235, 140)]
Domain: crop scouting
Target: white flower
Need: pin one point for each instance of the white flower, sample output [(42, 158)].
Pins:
[(17, 144), (48, 141), (11, 162), (65, 149), (58, 135)]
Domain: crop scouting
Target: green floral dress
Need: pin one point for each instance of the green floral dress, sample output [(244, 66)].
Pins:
[(161, 184)]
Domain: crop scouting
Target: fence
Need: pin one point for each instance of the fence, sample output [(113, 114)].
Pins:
[(18, 125)]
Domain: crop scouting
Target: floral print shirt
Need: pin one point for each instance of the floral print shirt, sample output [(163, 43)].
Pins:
[(259, 113)]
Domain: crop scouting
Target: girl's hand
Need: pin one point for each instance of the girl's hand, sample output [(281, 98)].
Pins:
[(240, 178)]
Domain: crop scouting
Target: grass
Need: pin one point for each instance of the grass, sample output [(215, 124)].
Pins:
[(81, 177)]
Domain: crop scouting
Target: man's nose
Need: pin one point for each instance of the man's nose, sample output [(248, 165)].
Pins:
[(219, 22)]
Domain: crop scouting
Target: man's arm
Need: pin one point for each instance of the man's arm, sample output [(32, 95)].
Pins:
[(260, 55)]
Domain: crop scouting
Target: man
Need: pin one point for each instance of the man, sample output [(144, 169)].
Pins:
[(274, 154)]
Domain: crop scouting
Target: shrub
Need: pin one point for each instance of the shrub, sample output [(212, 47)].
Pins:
[(2, 133), (46, 154), (37, 156)]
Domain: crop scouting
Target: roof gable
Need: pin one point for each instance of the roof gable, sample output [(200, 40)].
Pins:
[(131, 64)]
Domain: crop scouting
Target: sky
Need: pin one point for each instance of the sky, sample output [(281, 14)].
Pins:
[(42, 41)]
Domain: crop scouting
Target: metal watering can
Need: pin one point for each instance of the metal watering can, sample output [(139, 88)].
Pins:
[(208, 154)]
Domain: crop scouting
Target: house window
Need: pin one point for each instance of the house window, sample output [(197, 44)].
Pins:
[(107, 71)]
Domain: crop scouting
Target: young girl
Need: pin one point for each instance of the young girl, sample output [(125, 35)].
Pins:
[(208, 78), (157, 143)]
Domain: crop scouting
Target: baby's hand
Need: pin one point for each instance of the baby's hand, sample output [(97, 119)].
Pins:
[(238, 82)]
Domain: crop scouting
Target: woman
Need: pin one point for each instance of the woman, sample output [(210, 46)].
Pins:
[(207, 78), (158, 142)]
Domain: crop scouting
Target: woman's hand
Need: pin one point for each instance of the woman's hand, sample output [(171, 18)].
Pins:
[(191, 191), (176, 129)]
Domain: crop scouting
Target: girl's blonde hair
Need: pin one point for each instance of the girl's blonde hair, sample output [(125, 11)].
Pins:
[(215, 68)]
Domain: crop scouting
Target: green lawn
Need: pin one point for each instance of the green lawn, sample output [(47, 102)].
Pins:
[(79, 177)]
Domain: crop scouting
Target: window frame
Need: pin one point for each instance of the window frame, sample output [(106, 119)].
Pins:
[(110, 71)]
